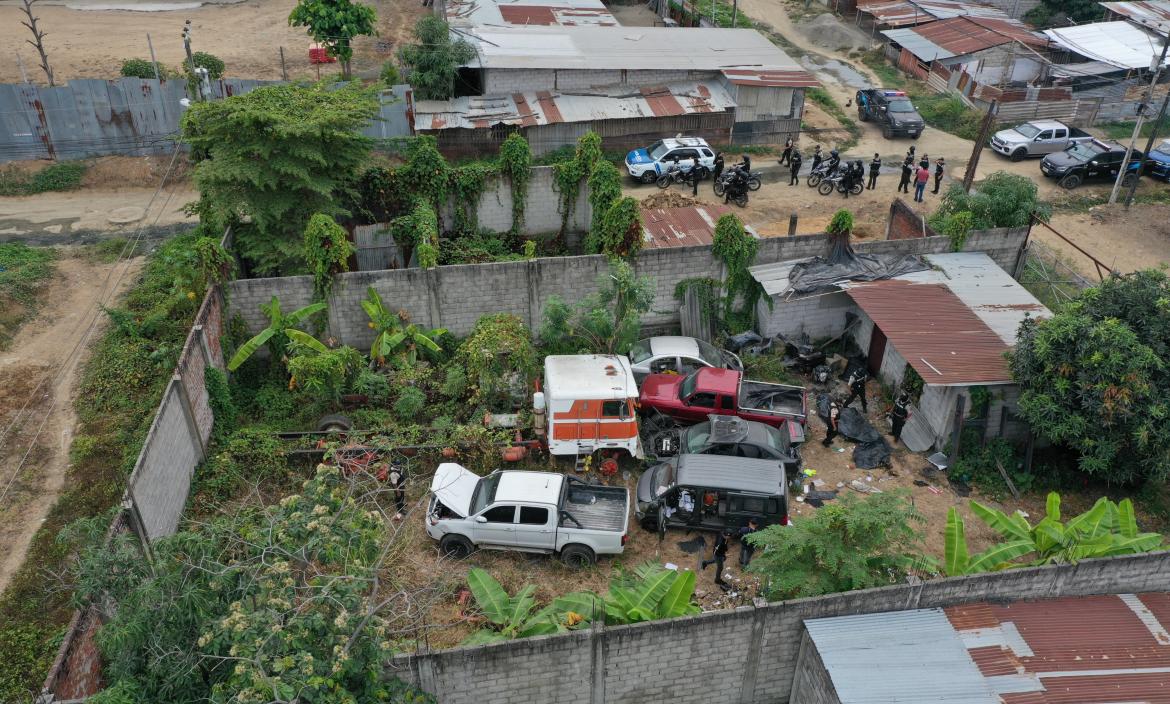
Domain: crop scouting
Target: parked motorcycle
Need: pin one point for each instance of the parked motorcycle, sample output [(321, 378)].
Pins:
[(680, 176), (753, 181), (836, 182), (818, 174)]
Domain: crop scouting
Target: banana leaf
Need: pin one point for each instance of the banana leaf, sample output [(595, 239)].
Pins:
[(295, 317), (1088, 525), (1013, 527), (999, 556), (249, 348), (1052, 506), (677, 601), (955, 545), (493, 601), (584, 604), (306, 340), (1126, 521)]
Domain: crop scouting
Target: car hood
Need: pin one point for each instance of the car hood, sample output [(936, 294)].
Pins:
[(455, 485), (1159, 157), (1010, 137), (661, 387), (1062, 160), (907, 117), (638, 156)]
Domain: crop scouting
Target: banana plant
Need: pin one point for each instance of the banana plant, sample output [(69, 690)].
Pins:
[(318, 369), (651, 593), (396, 337), (956, 560), (276, 334), (510, 616)]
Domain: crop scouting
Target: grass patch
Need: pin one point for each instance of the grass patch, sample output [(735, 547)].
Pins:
[(24, 271), (1122, 131), (60, 176), (822, 98), (119, 391), (108, 251), (889, 75)]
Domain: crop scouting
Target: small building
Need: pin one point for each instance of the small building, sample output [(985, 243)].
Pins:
[(687, 226), (1154, 14), (950, 323), (889, 14), (468, 14), (988, 50), (1072, 650)]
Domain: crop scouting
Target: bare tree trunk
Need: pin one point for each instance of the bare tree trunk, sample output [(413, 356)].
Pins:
[(38, 39)]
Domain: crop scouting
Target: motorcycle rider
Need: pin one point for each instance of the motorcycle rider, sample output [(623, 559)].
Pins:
[(745, 163), (834, 162), (817, 157), (736, 185)]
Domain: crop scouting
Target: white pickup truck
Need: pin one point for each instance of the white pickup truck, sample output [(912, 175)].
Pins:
[(542, 512), (1037, 138)]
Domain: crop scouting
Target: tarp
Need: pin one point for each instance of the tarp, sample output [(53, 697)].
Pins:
[(872, 450), (843, 264)]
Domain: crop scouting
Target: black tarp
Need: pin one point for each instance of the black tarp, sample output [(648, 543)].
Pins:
[(843, 264), (872, 450)]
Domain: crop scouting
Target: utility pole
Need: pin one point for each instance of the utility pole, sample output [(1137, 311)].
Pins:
[(980, 140), (191, 59), (1149, 146), (734, 12), (1156, 68), (150, 45)]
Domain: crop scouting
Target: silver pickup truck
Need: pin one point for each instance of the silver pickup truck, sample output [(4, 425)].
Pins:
[(542, 512), (1037, 138)]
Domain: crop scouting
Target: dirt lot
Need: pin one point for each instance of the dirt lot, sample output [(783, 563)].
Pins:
[(1124, 240), (247, 36), (41, 370)]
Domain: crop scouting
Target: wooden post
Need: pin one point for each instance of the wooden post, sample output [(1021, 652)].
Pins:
[(956, 436), (792, 224), (980, 140), (283, 71), (153, 61)]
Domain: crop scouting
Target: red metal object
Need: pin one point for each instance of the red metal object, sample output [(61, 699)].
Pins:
[(320, 55), (967, 35), (784, 78), (681, 227)]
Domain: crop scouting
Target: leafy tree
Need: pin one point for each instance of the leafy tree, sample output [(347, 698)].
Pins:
[(1094, 377), (276, 334), (1000, 200), (327, 250), (270, 159), (606, 322), (605, 189), (334, 24), (1050, 13), (396, 336), (214, 65), (1105, 530), (849, 544), (434, 59)]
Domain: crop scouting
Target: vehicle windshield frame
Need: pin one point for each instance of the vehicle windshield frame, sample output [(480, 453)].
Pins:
[(696, 437), (1023, 129), (1084, 150), (688, 385), (710, 353), (640, 351), (485, 493), (655, 147), (900, 105)]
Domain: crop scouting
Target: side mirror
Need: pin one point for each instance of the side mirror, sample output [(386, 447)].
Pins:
[(480, 519), (1093, 163), (1038, 139)]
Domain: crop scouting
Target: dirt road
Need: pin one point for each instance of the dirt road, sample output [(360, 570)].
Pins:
[(60, 215), (41, 369), (1123, 240)]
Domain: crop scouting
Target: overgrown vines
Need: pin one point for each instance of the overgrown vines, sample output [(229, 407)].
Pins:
[(569, 174), (327, 250), (737, 250), (516, 164), (467, 184)]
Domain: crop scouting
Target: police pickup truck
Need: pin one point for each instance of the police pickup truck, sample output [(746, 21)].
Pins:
[(1090, 161), (646, 165), (891, 110)]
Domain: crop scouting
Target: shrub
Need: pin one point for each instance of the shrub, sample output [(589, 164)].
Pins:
[(410, 404), (455, 383), (390, 74), (211, 62), (61, 176), (250, 455), (138, 68)]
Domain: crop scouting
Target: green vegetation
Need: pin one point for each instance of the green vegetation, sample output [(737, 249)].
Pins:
[(733, 246), (275, 336), (269, 160), (887, 73), (327, 250), (852, 543), (141, 68), (1000, 200), (1124, 130), (822, 98), (688, 15), (214, 65), (396, 337), (58, 176), (498, 358), (334, 24), (1094, 377), (1054, 13), (433, 60), (119, 392), (24, 271), (607, 322), (1105, 530)]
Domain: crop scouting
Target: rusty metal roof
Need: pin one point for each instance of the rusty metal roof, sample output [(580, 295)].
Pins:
[(959, 36), (937, 334), (901, 13), (1149, 13), (548, 107), (686, 226), (786, 78), (502, 13)]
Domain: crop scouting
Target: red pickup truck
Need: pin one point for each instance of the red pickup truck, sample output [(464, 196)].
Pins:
[(690, 399)]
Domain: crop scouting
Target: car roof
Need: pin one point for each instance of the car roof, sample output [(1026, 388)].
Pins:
[(676, 142), (529, 487), (733, 429), (589, 376), (673, 344), (732, 473), (717, 380), (1047, 124)]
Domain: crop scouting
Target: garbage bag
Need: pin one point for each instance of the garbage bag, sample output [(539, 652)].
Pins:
[(856, 427), (737, 342), (872, 454), (822, 274)]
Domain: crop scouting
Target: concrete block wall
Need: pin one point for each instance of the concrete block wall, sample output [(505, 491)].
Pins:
[(167, 463), (812, 684), (817, 316), (542, 206), (748, 655)]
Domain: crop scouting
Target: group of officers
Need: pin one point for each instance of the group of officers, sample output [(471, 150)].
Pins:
[(853, 172)]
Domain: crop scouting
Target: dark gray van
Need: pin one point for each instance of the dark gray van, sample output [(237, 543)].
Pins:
[(712, 492)]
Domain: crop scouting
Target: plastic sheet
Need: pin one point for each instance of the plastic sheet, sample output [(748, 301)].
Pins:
[(872, 450), (843, 264)]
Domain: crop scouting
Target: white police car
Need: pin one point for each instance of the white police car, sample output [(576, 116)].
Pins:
[(647, 164)]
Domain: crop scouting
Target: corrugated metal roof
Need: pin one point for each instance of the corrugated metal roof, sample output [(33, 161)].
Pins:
[(910, 657), (599, 48), (479, 13), (738, 473), (1118, 43), (937, 334), (547, 107), (959, 36), (776, 79), (1151, 13), (683, 227), (1086, 68), (900, 13)]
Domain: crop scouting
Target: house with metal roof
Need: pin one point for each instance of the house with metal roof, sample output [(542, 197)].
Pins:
[(988, 49), (889, 14), (1109, 648), (467, 14), (950, 323), (1154, 14)]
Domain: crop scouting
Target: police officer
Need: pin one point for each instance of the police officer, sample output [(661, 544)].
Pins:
[(831, 423), (939, 167), (856, 383), (834, 162), (787, 151), (817, 157), (718, 166), (695, 176), (874, 167), (925, 161), (718, 555), (907, 170), (794, 166), (900, 414)]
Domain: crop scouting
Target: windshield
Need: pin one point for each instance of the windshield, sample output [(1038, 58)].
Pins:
[(1163, 148), (1028, 131), (710, 354), (688, 385), (485, 493), (696, 436), (773, 439), (640, 351), (901, 105), (1083, 151), (657, 150), (663, 478)]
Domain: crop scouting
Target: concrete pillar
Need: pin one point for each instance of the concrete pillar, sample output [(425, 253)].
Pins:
[(747, 690), (597, 660)]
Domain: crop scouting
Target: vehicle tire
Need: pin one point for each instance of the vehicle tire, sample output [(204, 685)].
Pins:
[(649, 524), (664, 180), (649, 176), (754, 183), (887, 132), (857, 189), (742, 201), (1019, 154), (578, 557), (334, 423), (813, 180), (661, 524), (1128, 179), (861, 117), (1070, 182), (456, 546), (825, 188), (916, 135), (718, 187)]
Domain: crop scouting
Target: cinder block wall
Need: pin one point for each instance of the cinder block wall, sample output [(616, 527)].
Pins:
[(745, 656), (541, 213)]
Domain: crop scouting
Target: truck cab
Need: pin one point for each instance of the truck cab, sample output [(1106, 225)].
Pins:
[(891, 110), (1037, 138), (590, 402), (691, 399), (539, 512)]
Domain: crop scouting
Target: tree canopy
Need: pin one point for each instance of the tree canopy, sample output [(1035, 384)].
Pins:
[(270, 159), (1095, 378), (334, 24), (1064, 12), (434, 59), (1000, 200)]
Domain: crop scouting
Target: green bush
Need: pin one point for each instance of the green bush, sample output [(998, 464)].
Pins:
[(949, 114), (249, 455), (59, 176), (211, 62), (454, 384), (410, 404), (390, 74), (138, 68)]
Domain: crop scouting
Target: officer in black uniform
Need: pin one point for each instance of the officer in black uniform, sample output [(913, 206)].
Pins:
[(794, 166), (856, 383), (874, 167), (899, 415)]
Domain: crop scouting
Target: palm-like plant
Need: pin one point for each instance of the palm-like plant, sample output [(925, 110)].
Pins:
[(650, 593), (318, 369), (510, 616), (397, 338), (276, 334)]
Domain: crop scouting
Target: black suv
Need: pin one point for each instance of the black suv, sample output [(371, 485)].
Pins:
[(892, 110), (1090, 161)]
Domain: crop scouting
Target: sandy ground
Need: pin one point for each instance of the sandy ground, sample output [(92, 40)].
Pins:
[(41, 369), (1123, 240), (248, 37)]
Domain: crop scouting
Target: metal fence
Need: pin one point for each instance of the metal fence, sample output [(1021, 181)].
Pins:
[(130, 116), (1049, 278)]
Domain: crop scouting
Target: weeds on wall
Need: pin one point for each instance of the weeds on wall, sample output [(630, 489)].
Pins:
[(570, 173), (733, 246), (327, 250), (516, 165)]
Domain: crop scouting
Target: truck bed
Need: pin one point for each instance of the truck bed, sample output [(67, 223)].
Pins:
[(772, 398), (597, 507)]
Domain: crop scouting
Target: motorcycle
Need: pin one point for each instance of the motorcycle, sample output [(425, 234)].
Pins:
[(818, 174), (680, 176), (753, 182), (836, 182)]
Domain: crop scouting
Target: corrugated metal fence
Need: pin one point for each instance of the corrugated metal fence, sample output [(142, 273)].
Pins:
[(131, 116)]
